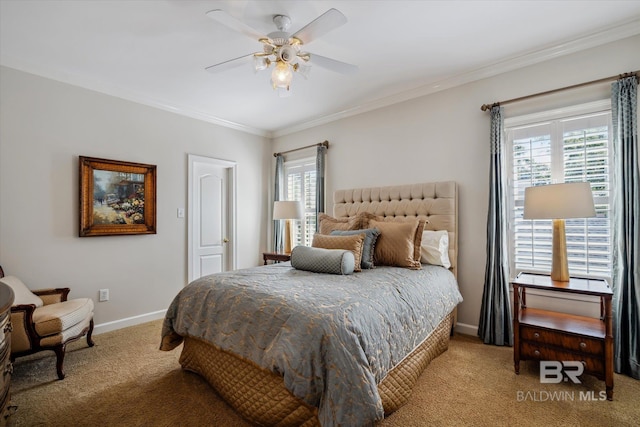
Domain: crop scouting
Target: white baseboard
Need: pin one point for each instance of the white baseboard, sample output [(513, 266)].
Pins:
[(463, 328), (129, 321)]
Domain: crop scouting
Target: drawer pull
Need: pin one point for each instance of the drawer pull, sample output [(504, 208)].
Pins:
[(536, 335), (583, 345), (536, 352), (8, 328)]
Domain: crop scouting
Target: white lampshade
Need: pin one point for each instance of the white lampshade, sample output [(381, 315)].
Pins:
[(287, 210), (559, 201)]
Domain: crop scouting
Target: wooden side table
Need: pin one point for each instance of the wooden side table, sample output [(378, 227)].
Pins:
[(550, 335), (275, 257)]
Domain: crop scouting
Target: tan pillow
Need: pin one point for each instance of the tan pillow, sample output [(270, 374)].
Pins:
[(329, 223), (353, 243), (366, 218), (396, 245)]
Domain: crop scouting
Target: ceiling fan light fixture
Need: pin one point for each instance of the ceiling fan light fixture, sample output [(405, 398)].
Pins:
[(261, 63), (282, 49), (302, 69), (281, 75), (287, 53)]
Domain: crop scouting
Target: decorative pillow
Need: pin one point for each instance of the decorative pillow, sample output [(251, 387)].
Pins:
[(396, 243), (22, 294), (366, 218), (353, 243), (435, 248), (319, 260), (371, 236), (329, 223)]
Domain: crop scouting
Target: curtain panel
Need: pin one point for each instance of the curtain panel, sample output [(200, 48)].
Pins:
[(495, 326), (626, 228), (321, 157), (278, 230)]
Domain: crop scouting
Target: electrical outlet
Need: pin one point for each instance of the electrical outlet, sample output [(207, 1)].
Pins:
[(104, 295)]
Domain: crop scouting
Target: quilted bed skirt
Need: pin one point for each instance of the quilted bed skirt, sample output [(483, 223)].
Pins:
[(260, 397)]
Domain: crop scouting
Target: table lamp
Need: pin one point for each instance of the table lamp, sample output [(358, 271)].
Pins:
[(287, 210), (559, 202)]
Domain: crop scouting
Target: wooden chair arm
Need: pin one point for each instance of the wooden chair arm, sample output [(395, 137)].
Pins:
[(52, 296), (25, 312)]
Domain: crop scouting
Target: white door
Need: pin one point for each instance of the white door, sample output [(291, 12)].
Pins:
[(211, 214)]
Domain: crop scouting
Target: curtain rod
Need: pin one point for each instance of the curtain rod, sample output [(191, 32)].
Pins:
[(323, 143), (486, 107)]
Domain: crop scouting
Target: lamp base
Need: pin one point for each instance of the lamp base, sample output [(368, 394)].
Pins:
[(288, 236), (559, 264)]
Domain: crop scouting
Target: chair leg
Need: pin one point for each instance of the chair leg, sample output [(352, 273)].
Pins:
[(60, 350), (90, 342)]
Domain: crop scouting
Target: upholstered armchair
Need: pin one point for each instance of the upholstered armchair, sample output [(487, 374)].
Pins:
[(46, 320)]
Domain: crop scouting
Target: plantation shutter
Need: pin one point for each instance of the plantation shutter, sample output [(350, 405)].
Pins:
[(301, 186), (563, 150)]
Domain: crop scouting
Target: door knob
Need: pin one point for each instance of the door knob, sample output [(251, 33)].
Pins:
[(225, 240)]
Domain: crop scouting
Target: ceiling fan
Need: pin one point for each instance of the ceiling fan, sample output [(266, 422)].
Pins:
[(283, 49)]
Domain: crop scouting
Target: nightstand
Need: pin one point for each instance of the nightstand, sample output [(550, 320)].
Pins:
[(275, 257), (549, 335)]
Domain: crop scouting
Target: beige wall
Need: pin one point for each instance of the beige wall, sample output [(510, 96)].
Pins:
[(444, 136), (44, 126)]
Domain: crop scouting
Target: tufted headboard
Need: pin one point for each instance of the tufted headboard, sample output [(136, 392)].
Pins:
[(434, 201)]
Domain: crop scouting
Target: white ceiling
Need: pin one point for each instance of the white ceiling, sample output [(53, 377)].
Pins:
[(155, 52)]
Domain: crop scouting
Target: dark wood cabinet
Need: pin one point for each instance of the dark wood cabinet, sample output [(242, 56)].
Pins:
[(6, 368), (275, 257), (549, 335)]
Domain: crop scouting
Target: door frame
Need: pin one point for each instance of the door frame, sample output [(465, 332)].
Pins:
[(232, 250)]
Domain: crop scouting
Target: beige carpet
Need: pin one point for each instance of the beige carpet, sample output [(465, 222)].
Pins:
[(126, 381)]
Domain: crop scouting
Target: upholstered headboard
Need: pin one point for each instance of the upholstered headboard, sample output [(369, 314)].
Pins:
[(434, 201)]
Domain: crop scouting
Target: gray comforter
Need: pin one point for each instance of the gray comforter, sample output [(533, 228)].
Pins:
[(332, 338)]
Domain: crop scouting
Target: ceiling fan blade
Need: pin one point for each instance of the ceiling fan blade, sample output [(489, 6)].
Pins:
[(332, 64), (231, 63), (229, 21), (324, 23)]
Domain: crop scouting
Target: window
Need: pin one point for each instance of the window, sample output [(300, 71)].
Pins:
[(553, 148), (300, 178)]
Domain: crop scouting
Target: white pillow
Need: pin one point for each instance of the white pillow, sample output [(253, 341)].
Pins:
[(435, 248), (22, 294)]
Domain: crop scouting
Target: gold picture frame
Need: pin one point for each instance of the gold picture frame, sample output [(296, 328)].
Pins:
[(116, 197)]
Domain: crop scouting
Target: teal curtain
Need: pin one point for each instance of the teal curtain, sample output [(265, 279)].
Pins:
[(626, 227), (496, 325), (321, 155), (278, 230)]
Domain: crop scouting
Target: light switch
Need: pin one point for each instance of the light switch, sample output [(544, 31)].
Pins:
[(180, 212)]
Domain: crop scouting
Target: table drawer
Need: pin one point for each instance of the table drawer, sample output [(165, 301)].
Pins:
[(592, 346), (530, 350)]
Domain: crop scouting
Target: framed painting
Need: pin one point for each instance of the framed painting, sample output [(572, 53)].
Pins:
[(116, 197)]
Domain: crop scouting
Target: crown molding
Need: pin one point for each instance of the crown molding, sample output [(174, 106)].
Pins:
[(618, 32), (119, 92)]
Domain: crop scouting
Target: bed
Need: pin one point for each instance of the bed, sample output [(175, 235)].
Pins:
[(285, 346)]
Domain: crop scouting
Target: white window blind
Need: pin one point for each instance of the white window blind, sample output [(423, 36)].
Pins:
[(563, 149), (301, 185)]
